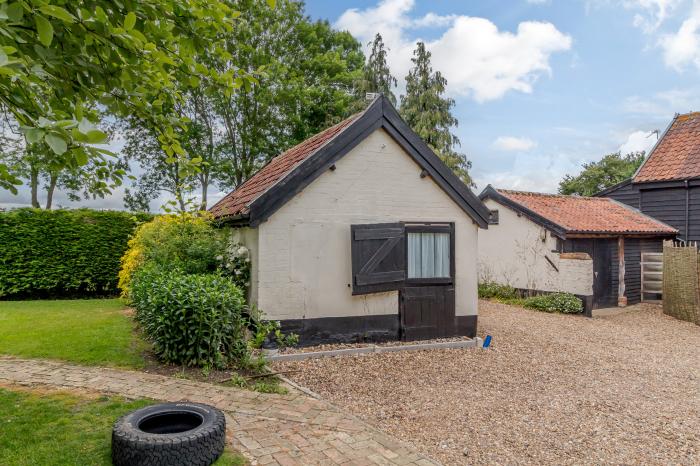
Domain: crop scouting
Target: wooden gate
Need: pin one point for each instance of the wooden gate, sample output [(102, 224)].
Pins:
[(652, 275)]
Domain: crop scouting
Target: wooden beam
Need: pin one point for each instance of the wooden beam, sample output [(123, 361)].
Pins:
[(621, 298)]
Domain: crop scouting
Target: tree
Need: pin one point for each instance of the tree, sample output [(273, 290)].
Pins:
[(308, 74), (428, 112), (201, 140), (377, 75), (59, 59), (305, 71), (35, 165), (596, 176)]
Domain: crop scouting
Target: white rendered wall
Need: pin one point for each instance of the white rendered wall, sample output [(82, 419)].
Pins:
[(513, 253), (304, 261)]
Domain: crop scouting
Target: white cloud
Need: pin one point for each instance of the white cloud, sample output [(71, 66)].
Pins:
[(682, 47), (511, 143), (475, 57), (638, 141), (663, 105), (650, 13)]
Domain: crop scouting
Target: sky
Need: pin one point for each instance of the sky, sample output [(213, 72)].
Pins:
[(540, 86)]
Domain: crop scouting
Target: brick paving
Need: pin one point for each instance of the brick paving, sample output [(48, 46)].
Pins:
[(269, 429)]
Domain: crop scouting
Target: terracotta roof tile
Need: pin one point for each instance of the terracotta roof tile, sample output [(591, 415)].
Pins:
[(677, 155), (577, 214), (238, 201)]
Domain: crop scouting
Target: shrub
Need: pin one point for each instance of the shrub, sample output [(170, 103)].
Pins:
[(61, 253), (490, 290), (187, 242), (555, 302), (192, 319)]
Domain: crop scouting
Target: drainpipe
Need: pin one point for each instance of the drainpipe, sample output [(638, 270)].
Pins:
[(687, 211), (621, 298)]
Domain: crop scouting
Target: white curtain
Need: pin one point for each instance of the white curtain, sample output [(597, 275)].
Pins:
[(428, 255)]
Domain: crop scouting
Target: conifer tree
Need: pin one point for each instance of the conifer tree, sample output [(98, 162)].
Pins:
[(377, 76), (428, 112)]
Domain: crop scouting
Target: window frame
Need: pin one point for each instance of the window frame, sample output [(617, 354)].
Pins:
[(432, 228)]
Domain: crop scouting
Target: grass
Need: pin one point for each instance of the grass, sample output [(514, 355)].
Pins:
[(93, 332), (62, 429), (84, 331)]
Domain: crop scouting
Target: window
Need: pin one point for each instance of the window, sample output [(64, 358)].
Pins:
[(428, 255), (493, 217)]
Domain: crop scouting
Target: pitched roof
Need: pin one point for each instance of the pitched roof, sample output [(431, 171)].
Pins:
[(238, 201), (676, 155), (288, 173), (580, 215)]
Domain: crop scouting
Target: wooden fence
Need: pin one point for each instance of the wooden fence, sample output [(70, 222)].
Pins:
[(681, 281)]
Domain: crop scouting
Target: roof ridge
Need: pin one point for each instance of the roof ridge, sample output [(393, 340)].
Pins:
[(535, 193)]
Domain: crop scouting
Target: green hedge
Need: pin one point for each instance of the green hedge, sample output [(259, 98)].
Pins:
[(62, 253)]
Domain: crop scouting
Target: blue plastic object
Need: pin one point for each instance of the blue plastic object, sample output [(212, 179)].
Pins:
[(487, 341)]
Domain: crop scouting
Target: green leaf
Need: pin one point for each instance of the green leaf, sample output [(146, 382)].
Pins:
[(3, 57), (56, 143), (130, 21), (95, 136), (15, 12), (34, 135), (57, 12), (271, 3), (44, 29), (81, 157)]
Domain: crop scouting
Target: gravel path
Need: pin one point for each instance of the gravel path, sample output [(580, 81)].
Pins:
[(553, 389)]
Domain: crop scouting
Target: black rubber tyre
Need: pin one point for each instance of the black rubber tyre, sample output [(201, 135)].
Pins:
[(177, 434)]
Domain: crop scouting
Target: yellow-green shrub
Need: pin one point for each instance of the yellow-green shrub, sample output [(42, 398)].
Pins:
[(186, 242)]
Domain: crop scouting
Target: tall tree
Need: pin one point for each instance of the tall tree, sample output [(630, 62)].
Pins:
[(159, 173), (429, 113), (59, 57), (308, 74), (34, 164), (596, 176), (305, 71), (377, 76)]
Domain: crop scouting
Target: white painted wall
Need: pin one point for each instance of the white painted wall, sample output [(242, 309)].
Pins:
[(513, 253), (303, 263)]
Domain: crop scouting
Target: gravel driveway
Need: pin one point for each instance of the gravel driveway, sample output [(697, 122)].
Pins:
[(553, 389)]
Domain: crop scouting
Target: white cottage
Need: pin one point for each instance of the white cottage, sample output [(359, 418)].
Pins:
[(361, 233), (588, 246)]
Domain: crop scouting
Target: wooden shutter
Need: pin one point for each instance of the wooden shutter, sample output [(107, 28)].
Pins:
[(378, 257)]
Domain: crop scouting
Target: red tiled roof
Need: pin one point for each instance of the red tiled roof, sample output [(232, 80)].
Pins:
[(677, 155), (577, 214), (238, 201)]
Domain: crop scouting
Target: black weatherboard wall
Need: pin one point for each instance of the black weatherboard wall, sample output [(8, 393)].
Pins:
[(676, 203), (604, 252)]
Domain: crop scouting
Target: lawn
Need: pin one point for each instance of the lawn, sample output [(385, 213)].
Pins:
[(84, 331), (62, 429)]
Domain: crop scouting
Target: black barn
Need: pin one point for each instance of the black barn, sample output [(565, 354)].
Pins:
[(667, 185)]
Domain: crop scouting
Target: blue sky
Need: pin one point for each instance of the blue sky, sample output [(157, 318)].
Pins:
[(544, 86), (541, 86)]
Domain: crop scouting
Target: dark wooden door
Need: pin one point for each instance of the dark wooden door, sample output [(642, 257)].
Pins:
[(603, 293), (427, 312), (601, 251)]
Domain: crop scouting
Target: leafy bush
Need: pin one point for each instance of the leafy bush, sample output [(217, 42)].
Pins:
[(490, 290), (566, 303), (192, 319), (61, 253), (186, 242)]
